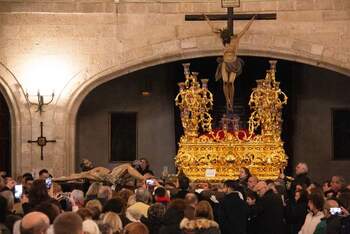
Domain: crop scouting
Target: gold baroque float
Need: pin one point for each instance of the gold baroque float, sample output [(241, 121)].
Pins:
[(218, 155)]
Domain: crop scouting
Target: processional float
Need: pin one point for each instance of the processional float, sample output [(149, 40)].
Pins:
[(215, 155)]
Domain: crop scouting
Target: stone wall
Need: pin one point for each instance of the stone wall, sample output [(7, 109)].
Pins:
[(101, 40)]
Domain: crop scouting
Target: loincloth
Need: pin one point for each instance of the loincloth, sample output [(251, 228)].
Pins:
[(235, 67)]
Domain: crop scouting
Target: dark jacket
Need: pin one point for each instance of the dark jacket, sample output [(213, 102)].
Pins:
[(199, 226), (233, 214), (252, 223), (171, 222), (295, 215), (301, 179), (270, 213), (153, 224)]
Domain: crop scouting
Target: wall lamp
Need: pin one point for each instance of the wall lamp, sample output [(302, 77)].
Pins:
[(40, 101)]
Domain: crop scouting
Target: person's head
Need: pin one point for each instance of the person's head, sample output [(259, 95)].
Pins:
[(78, 197), (34, 223), (90, 227), (104, 192), (10, 199), (252, 181), (44, 174), (38, 192), (337, 183), (301, 168), (84, 213), (114, 220), (184, 182), (27, 180), (10, 182), (244, 173), (261, 188), (316, 202), (326, 186), (143, 195), (68, 223), (160, 192), (116, 205), (251, 197), (229, 186), (301, 196), (125, 194), (136, 228), (51, 210), (156, 211), (191, 199), (93, 189), (144, 164), (204, 210), (94, 204), (177, 204)]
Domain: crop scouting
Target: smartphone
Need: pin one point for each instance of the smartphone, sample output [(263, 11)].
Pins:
[(150, 182), (335, 211), (48, 182), (18, 191)]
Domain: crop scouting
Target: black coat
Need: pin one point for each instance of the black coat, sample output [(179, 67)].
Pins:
[(233, 214), (171, 222), (295, 215), (270, 213), (301, 179), (153, 224)]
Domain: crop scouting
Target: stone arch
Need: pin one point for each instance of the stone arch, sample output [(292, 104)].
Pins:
[(266, 46), (20, 120)]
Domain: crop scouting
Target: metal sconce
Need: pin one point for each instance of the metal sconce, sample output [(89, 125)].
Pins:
[(41, 102)]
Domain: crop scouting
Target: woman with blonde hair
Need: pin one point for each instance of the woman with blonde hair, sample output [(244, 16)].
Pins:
[(114, 221), (203, 222), (92, 192)]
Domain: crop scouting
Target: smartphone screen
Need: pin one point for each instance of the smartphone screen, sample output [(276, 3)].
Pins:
[(48, 182), (335, 211), (150, 182), (18, 191)]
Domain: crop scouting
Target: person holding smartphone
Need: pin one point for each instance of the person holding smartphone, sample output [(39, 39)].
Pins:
[(332, 221)]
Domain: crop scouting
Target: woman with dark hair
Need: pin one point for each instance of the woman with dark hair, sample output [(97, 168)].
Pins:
[(173, 217), (313, 218), (296, 211), (243, 177), (155, 218), (37, 194), (203, 222)]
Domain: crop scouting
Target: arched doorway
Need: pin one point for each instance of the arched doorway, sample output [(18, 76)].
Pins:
[(5, 136), (306, 139)]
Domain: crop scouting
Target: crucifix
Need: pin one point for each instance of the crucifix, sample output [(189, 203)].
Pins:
[(229, 65), (41, 140)]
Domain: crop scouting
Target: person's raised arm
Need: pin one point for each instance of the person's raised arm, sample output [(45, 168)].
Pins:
[(246, 28), (213, 29)]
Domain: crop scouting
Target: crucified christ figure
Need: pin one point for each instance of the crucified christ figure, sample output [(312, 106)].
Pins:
[(229, 65)]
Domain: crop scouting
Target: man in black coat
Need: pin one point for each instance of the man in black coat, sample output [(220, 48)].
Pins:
[(269, 210), (301, 178), (233, 210)]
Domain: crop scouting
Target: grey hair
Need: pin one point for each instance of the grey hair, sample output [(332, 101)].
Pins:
[(143, 195), (78, 195), (306, 168)]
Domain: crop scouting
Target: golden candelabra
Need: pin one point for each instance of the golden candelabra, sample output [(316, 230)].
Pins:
[(194, 102), (218, 155)]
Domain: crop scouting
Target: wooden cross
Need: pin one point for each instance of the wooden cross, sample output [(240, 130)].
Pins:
[(230, 16), (41, 141)]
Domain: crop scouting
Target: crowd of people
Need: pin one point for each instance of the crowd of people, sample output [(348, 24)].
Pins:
[(161, 206)]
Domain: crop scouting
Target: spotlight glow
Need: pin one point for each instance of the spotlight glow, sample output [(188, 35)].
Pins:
[(46, 73)]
